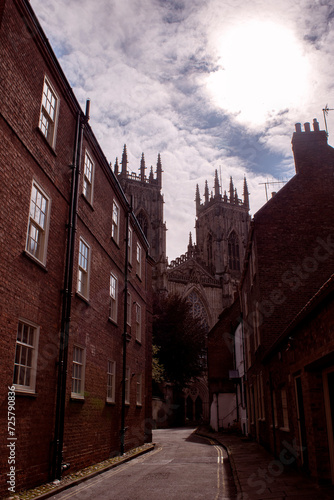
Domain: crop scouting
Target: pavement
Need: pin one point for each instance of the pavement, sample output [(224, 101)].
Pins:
[(259, 476)]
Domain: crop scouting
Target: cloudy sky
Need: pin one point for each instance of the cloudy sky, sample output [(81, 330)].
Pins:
[(209, 84)]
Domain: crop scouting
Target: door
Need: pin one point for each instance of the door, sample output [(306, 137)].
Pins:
[(301, 422)]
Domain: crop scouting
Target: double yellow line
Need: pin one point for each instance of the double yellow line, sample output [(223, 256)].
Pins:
[(220, 462)]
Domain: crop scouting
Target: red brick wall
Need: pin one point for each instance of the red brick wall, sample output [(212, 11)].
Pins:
[(34, 292)]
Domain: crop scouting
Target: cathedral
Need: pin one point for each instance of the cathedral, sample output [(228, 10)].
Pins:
[(208, 273)]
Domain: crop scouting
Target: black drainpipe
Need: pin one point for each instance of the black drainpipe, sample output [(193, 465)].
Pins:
[(123, 428), (57, 464)]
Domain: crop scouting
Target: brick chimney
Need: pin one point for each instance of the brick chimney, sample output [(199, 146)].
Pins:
[(309, 147)]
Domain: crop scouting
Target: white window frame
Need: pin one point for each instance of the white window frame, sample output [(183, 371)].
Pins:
[(111, 381), (26, 353), (128, 309), (138, 259), (138, 321), (115, 221), (139, 390), (78, 373), (83, 270), (113, 293), (88, 178), (48, 117), (38, 223), (127, 385), (130, 245), (285, 413)]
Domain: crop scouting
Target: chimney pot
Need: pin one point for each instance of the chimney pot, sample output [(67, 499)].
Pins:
[(307, 127), (298, 127), (316, 125)]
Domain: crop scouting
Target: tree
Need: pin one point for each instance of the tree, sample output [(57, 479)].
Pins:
[(179, 341)]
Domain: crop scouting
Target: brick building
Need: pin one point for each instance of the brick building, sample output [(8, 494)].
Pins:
[(77, 353), (286, 298)]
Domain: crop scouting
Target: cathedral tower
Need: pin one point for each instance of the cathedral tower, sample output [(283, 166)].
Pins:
[(147, 201)]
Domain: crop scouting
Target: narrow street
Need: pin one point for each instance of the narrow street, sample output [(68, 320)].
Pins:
[(183, 466)]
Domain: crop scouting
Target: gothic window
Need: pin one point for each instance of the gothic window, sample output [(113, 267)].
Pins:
[(143, 222), (233, 252), (198, 309)]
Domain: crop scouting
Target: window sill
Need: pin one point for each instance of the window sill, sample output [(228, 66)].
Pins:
[(82, 297), (139, 277), (77, 398), (23, 392), (89, 203), (110, 402), (35, 260), (116, 243), (138, 341), (284, 429), (139, 405), (53, 151), (113, 321)]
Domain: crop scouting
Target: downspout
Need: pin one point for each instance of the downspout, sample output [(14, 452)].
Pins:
[(57, 465), (123, 429), (244, 363)]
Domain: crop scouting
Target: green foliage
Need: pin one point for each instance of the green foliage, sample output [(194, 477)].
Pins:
[(180, 340)]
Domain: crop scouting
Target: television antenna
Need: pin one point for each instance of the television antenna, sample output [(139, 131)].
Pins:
[(325, 112), (270, 183)]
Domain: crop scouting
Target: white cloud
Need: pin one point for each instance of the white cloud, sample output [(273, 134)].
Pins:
[(145, 65)]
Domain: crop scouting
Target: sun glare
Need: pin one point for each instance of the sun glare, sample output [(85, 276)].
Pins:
[(263, 71)]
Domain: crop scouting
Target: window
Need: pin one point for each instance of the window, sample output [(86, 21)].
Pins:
[(138, 260), (115, 222), (38, 225), (285, 410), (127, 386), (111, 380), (78, 373), (233, 252), (138, 322), (25, 364), (128, 309), (130, 246), (113, 297), (139, 389), (88, 178), (49, 113), (83, 274)]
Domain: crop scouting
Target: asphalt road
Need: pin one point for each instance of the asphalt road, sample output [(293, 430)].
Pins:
[(183, 466)]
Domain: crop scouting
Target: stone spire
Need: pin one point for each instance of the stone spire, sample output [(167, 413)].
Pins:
[(190, 244), (216, 184), (124, 160), (231, 191), (116, 167), (206, 193), (151, 175), (197, 199), (142, 168), (159, 171), (246, 194), (236, 199)]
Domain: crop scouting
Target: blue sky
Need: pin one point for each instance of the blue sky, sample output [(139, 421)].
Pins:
[(208, 84)]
